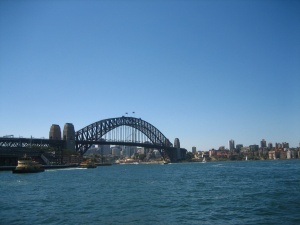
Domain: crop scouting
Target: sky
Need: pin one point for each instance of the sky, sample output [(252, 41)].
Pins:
[(201, 71)]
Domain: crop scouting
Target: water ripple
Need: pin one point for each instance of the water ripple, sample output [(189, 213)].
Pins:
[(258, 192)]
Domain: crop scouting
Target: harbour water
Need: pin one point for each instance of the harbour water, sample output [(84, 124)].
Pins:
[(248, 192)]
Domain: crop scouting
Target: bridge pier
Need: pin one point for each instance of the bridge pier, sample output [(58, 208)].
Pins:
[(69, 136), (176, 154)]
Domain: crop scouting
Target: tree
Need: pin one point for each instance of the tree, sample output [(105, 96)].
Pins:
[(189, 156), (142, 157)]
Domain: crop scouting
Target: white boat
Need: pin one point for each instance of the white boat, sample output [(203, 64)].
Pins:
[(246, 158), (204, 160), (27, 165)]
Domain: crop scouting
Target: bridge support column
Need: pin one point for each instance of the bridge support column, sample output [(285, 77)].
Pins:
[(178, 155), (69, 136)]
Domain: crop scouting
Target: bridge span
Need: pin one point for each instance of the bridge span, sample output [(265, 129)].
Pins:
[(122, 131)]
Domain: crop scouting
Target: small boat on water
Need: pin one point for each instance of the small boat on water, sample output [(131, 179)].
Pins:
[(87, 164), (27, 165), (204, 160)]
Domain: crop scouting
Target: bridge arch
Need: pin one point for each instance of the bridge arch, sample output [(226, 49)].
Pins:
[(95, 132)]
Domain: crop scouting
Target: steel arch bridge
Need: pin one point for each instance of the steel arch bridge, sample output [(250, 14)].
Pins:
[(129, 131), (124, 131)]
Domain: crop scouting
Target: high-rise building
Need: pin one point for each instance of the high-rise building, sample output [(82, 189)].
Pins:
[(193, 150), (239, 147), (263, 143), (231, 145), (104, 149), (270, 145), (129, 151), (285, 145)]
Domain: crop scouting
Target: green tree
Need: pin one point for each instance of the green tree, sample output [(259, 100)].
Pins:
[(189, 156)]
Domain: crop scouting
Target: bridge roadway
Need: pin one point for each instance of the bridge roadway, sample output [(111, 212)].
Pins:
[(41, 142), (16, 147), (28, 142)]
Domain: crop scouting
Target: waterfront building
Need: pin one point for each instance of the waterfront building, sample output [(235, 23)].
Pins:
[(272, 155), (72, 159), (289, 154), (231, 146), (212, 152), (283, 154)]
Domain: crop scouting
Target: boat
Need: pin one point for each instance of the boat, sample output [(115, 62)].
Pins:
[(27, 165), (87, 164), (204, 160), (246, 158)]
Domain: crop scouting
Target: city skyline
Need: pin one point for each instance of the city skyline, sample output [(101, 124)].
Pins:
[(268, 145), (201, 71)]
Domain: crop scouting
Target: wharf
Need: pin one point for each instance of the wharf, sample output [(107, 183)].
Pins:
[(59, 166)]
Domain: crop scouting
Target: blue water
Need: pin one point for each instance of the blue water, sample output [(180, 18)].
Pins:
[(249, 192)]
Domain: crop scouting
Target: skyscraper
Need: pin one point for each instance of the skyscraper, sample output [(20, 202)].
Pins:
[(194, 150), (270, 146), (263, 143), (231, 145)]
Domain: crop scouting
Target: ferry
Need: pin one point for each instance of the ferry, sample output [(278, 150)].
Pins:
[(87, 164), (27, 165)]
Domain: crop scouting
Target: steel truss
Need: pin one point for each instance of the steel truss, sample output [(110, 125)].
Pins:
[(29, 142), (120, 130)]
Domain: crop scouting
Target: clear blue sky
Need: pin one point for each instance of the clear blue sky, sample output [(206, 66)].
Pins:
[(203, 71)]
